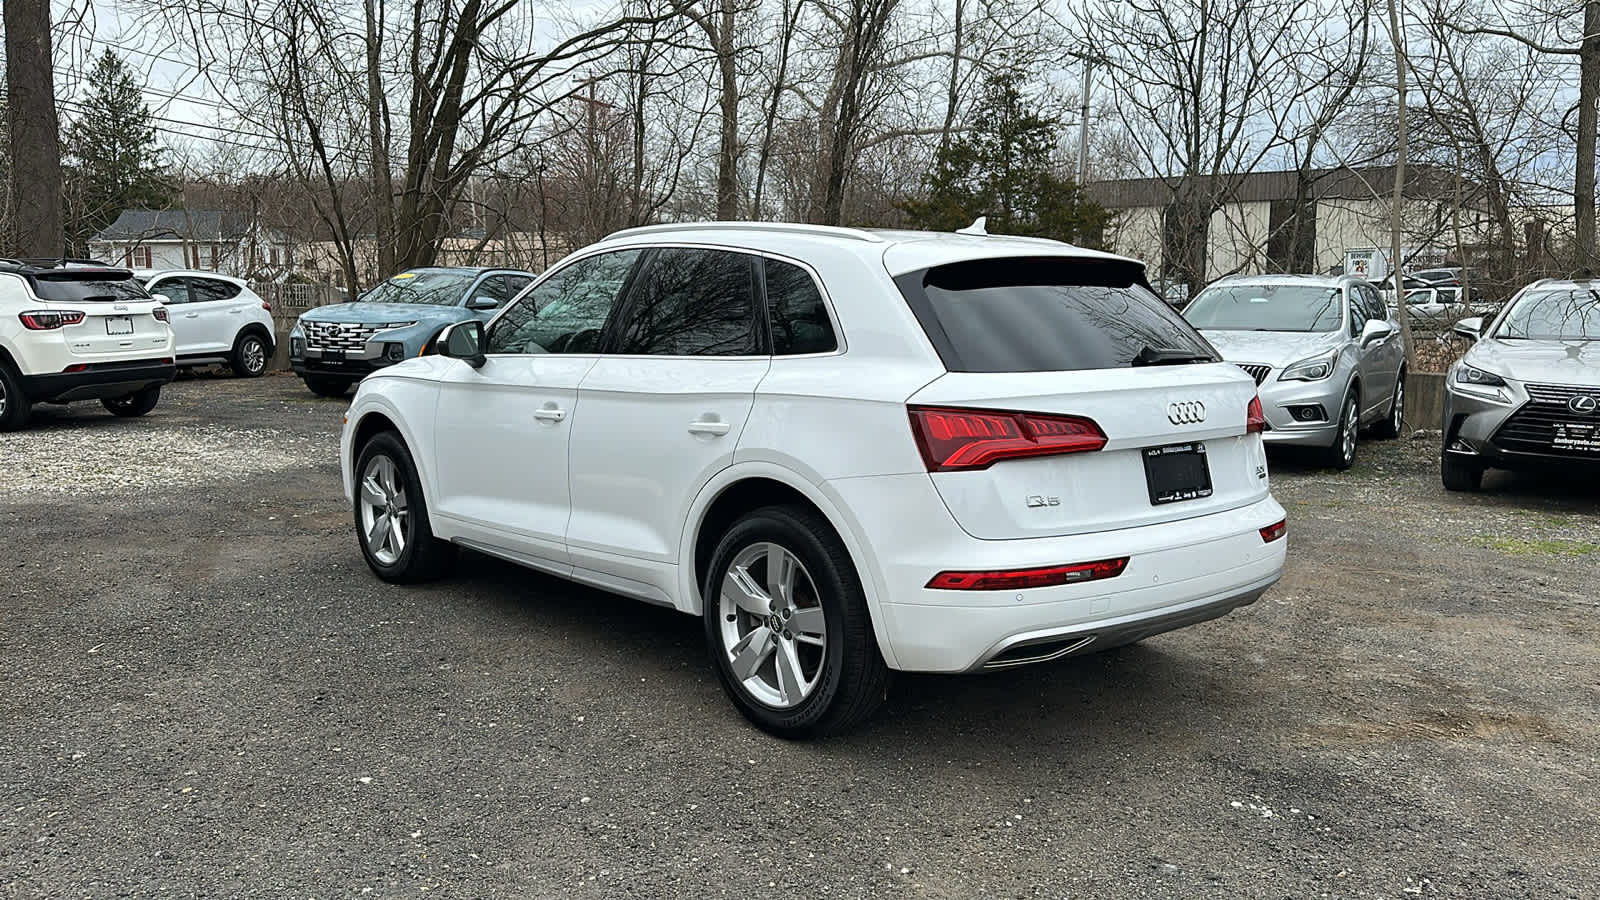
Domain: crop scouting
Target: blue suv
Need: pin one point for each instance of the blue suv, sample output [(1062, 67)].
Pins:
[(333, 347)]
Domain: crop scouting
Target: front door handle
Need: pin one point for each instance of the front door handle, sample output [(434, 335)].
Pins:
[(711, 428), (550, 414)]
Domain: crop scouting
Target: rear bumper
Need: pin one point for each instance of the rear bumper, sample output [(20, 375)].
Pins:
[(99, 381), (1178, 573)]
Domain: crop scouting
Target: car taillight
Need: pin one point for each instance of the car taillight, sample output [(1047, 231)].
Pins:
[(1273, 532), (160, 313), (48, 319), (266, 306), (953, 440), (1017, 579), (1254, 419)]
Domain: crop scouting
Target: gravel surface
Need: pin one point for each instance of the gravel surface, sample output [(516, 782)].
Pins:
[(206, 694)]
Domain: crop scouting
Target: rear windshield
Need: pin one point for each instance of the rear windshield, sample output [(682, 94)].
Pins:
[(70, 286), (1046, 314)]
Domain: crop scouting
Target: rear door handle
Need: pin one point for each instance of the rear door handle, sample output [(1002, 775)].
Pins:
[(191, 315), (713, 428), (550, 414)]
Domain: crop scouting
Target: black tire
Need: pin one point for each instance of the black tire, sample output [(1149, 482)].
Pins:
[(135, 404), (251, 355), (14, 405), (1460, 476), (851, 678), (422, 557), (1341, 454), (1394, 424), (324, 386)]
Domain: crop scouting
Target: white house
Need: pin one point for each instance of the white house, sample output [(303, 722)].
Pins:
[(1343, 221), (225, 241)]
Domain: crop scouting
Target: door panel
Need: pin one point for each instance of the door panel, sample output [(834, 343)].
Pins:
[(653, 432), (500, 449), (186, 324)]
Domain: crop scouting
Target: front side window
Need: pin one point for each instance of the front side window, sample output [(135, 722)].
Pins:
[(436, 288), (1047, 314), (493, 287), (1561, 314), (1267, 307), (799, 317), (176, 290), (693, 302), (567, 312)]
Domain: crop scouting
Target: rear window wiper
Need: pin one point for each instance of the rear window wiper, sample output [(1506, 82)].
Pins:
[(1168, 356)]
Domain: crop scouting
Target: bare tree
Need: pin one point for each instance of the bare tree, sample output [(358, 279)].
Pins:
[(33, 129)]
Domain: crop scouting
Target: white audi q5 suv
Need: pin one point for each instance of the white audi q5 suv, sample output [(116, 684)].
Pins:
[(849, 452)]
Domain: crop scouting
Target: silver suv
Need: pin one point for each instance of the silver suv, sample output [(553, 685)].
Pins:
[(1526, 394), (1324, 350)]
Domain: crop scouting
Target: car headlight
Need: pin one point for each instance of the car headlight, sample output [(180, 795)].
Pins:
[(1477, 377), (298, 331), (1314, 369)]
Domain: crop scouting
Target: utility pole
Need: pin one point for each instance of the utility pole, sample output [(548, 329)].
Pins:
[(1083, 122), (1397, 211), (35, 131)]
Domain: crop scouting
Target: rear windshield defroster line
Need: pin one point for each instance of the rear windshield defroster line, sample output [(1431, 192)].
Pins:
[(1044, 314)]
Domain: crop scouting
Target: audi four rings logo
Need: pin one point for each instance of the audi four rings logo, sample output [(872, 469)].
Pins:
[(1187, 412), (1583, 404)]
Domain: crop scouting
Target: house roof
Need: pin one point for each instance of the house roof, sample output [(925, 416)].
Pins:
[(1423, 182), (176, 225)]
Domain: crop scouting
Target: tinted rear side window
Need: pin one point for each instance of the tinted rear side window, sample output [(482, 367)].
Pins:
[(1043, 315), (689, 302), (799, 317)]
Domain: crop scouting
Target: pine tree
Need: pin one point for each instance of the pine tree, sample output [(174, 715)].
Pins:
[(112, 162), (1002, 169)]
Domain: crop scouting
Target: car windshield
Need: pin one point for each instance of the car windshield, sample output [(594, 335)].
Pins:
[(437, 288), (1565, 314), (1047, 314), (1266, 307)]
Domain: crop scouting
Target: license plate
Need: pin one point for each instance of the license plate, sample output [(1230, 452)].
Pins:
[(333, 356), (1177, 472), (119, 325), (1577, 436)]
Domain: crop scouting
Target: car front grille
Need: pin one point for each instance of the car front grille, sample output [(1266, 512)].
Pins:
[(1532, 429), (1256, 371), (338, 336)]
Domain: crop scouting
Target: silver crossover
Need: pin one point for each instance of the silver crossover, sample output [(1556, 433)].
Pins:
[(1323, 350), (1526, 394)]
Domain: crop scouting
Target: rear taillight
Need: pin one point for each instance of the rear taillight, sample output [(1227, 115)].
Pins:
[(1017, 579), (48, 319), (266, 306), (1254, 419), (160, 313), (953, 440), (1273, 532)]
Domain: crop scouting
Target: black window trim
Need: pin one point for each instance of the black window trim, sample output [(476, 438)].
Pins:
[(610, 337)]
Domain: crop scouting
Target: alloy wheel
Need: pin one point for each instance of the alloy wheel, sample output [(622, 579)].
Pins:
[(254, 354), (4, 398), (1398, 413), (1348, 432), (772, 625), (385, 514)]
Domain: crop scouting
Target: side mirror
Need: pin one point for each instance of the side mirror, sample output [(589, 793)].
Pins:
[(162, 299), (1471, 327), (463, 341), (1375, 330), (481, 303)]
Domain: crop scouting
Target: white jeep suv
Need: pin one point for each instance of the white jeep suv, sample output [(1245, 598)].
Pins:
[(847, 451), (79, 332)]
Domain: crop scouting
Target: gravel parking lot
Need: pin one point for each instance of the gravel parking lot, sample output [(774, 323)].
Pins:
[(205, 693)]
